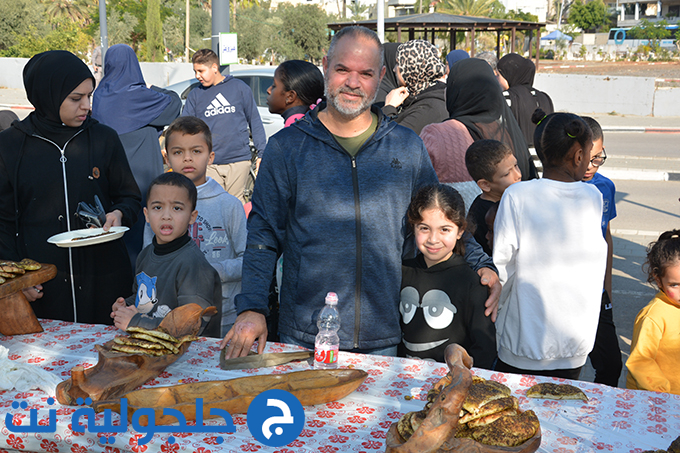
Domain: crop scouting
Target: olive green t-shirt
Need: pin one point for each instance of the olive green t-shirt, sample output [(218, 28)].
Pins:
[(353, 144)]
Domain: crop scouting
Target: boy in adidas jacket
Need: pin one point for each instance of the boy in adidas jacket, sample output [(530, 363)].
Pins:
[(228, 107)]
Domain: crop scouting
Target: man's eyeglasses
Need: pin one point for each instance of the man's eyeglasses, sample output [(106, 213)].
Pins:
[(597, 161)]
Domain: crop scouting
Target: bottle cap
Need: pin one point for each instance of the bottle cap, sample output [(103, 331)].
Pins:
[(332, 299)]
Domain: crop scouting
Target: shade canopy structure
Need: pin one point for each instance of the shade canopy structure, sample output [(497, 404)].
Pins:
[(429, 23), (556, 34)]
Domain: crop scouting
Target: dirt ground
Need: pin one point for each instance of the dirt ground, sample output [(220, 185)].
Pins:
[(658, 70)]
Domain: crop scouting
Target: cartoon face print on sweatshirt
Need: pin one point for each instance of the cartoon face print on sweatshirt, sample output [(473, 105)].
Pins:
[(145, 299), (427, 318)]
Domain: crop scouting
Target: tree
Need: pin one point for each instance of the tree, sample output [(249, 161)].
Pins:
[(653, 32), (475, 8), (588, 16), (358, 10), (62, 11), (18, 16), (69, 37), (255, 27), (155, 50), (174, 17), (303, 33), (120, 28)]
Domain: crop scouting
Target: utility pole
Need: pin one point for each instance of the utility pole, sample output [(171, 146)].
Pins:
[(103, 30), (220, 24), (559, 19), (381, 20), (186, 36)]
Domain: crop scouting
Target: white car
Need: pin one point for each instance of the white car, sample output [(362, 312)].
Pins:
[(258, 79)]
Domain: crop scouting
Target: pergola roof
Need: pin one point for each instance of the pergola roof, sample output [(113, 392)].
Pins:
[(440, 21), (432, 22)]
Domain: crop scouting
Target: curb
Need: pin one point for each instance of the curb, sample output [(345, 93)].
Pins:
[(17, 107), (655, 130), (630, 174)]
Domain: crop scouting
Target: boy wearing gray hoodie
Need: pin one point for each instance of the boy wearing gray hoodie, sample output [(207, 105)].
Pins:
[(220, 228)]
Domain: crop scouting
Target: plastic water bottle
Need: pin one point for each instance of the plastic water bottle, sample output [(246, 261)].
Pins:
[(327, 341)]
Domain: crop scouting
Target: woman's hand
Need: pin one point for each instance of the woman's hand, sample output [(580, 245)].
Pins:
[(396, 97), (33, 293), (114, 218)]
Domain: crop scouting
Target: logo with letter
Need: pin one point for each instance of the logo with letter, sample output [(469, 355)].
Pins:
[(218, 106), (275, 418)]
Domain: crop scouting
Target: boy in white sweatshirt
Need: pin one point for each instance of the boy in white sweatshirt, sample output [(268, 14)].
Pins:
[(220, 228)]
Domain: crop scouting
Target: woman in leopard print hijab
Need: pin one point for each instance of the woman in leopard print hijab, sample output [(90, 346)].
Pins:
[(419, 65), (421, 98)]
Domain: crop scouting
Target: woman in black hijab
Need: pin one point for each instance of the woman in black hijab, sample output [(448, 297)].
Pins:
[(389, 81), (477, 111), (522, 97), (6, 119), (49, 162), (474, 98)]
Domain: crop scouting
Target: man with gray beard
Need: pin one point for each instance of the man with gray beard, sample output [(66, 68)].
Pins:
[(331, 195)]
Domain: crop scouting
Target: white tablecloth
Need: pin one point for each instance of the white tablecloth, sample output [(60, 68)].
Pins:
[(614, 420)]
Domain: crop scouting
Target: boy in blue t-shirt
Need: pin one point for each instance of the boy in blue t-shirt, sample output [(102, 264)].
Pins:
[(606, 354)]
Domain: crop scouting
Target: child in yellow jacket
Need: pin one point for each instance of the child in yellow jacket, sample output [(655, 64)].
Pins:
[(655, 350)]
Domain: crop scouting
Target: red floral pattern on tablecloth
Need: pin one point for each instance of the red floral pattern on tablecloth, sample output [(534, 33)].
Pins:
[(359, 422)]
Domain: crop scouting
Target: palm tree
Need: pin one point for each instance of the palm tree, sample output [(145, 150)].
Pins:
[(476, 8), (60, 10), (357, 9)]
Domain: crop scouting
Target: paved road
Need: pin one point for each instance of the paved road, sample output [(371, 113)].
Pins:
[(645, 209)]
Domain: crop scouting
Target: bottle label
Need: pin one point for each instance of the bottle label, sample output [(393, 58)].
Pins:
[(326, 354)]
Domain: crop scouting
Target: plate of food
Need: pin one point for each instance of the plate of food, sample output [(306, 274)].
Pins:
[(87, 236)]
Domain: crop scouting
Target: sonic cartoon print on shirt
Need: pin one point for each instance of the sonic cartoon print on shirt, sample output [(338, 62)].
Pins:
[(427, 320), (145, 299)]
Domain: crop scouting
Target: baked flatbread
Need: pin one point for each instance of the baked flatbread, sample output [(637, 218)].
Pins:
[(12, 269), (508, 431), (674, 447), (135, 350), (489, 408), (551, 391), (137, 343), (29, 264), (153, 339), (483, 421), (404, 426), (482, 393), (155, 333)]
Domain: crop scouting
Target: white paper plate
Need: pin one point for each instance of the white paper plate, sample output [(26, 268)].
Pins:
[(90, 236)]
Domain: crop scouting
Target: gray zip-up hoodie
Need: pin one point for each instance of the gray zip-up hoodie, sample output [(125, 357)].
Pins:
[(340, 221)]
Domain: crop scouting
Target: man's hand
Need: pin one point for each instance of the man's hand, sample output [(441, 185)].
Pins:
[(122, 315), (489, 278), (33, 293), (396, 97), (114, 218), (248, 327)]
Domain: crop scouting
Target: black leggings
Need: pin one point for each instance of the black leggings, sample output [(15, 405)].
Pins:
[(569, 373), (606, 354)]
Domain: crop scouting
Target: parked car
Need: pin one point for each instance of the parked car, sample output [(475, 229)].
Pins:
[(258, 79)]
